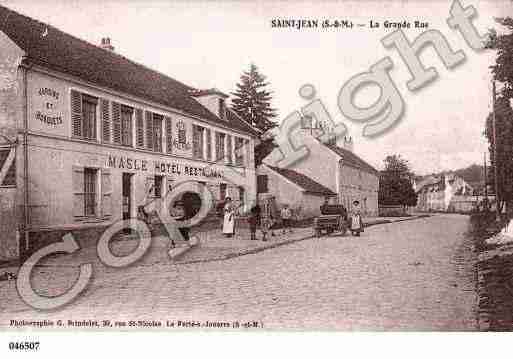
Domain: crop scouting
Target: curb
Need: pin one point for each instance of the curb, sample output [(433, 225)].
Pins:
[(279, 244)]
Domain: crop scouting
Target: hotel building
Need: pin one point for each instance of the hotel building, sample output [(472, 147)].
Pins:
[(93, 135)]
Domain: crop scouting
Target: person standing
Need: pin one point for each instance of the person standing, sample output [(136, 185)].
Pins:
[(356, 224), (286, 218), (254, 221), (179, 214), (229, 218)]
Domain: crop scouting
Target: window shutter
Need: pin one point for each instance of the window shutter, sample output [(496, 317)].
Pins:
[(169, 134), (78, 191), (150, 187), (139, 123), (76, 113), (106, 193), (209, 144), (149, 130), (195, 141), (229, 148), (105, 113), (116, 122)]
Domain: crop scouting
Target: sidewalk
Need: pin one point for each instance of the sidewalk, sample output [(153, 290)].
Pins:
[(214, 246)]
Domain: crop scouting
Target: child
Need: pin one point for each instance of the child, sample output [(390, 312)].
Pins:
[(286, 217)]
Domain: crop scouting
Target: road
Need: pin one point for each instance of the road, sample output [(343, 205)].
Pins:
[(412, 275)]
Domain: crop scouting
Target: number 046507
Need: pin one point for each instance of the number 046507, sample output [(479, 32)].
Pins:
[(27, 346)]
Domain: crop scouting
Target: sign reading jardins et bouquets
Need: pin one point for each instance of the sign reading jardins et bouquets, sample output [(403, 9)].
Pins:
[(163, 167), (49, 113)]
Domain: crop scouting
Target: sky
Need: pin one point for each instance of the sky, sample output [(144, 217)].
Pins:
[(208, 44)]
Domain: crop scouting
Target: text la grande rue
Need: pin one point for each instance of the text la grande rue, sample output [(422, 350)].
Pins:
[(417, 24)]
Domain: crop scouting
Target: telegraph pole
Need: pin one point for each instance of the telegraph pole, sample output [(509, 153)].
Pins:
[(495, 152), (485, 179)]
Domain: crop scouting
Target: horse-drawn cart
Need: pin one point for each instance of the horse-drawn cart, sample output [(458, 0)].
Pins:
[(333, 218)]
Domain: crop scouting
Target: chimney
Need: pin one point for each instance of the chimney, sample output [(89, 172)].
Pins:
[(105, 44)]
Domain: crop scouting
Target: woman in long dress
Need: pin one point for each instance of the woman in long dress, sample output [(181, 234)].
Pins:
[(229, 218), (356, 224)]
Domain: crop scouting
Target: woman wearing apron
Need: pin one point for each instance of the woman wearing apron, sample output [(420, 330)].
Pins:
[(229, 218), (356, 224)]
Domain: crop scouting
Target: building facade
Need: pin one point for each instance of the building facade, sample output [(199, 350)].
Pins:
[(334, 166), (304, 195), (98, 135), (445, 193)]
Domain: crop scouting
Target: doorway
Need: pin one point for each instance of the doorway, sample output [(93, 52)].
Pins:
[(127, 195)]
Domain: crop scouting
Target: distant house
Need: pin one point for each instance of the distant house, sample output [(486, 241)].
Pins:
[(446, 193)]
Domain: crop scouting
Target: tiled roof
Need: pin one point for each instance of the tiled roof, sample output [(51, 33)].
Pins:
[(51, 48), (305, 182), (351, 159)]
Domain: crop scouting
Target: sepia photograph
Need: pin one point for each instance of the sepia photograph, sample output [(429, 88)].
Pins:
[(232, 166)]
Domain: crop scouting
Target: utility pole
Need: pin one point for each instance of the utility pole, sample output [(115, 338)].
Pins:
[(497, 208), (485, 178)]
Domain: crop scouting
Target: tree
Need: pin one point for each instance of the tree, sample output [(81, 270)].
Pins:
[(504, 160), (503, 73), (503, 44), (395, 183), (252, 100)]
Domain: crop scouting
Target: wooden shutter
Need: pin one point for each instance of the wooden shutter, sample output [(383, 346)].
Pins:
[(78, 191), (139, 124), (106, 200), (229, 149), (209, 144), (195, 141), (149, 130), (116, 122), (150, 187), (169, 134), (105, 113), (76, 113)]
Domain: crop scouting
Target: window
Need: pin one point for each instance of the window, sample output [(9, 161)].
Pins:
[(239, 151), (158, 186), (222, 191), (220, 146), (126, 125), (89, 192), (83, 115), (89, 117), (197, 141), (157, 132), (262, 184)]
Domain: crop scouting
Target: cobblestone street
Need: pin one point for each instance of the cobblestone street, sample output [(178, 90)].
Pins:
[(412, 275)]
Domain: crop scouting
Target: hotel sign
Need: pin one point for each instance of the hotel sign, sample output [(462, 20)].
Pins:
[(164, 167)]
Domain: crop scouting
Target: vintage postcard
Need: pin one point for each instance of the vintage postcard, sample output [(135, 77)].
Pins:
[(252, 166)]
